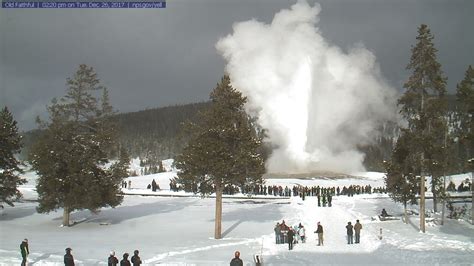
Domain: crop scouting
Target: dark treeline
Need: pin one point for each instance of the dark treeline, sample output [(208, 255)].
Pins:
[(154, 134), (151, 133)]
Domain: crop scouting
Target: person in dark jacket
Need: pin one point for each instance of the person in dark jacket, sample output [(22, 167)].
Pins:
[(136, 261), (68, 258), (113, 261), (236, 261), (277, 230), (350, 233), (24, 251), (125, 261), (291, 235), (319, 231)]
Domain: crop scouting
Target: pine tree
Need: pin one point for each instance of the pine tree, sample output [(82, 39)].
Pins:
[(401, 182), (119, 170), (465, 112), (223, 149), (424, 107), (465, 98), (70, 155), (10, 144), (161, 169)]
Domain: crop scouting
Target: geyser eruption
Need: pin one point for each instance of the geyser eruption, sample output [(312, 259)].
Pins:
[(317, 102)]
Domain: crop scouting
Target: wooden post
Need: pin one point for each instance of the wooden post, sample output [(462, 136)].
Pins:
[(218, 220), (422, 204)]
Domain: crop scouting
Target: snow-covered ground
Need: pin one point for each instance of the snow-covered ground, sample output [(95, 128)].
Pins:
[(179, 230)]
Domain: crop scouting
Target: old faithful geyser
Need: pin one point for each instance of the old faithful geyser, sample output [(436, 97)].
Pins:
[(316, 101)]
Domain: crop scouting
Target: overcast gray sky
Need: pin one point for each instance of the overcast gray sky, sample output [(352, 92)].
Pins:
[(157, 57)]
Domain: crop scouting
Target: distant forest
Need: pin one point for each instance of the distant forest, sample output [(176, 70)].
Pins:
[(155, 134)]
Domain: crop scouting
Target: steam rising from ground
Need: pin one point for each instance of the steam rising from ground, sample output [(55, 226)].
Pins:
[(316, 101)]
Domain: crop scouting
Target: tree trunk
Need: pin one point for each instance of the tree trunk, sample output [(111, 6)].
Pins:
[(442, 211), (405, 212), (472, 194), (66, 213), (218, 220), (435, 199), (422, 204)]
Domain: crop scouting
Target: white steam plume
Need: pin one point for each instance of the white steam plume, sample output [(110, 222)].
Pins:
[(316, 101)]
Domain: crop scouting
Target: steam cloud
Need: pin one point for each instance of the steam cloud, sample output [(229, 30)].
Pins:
[(316, 101)]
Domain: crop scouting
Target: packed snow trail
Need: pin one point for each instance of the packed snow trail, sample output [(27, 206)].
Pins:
[(333, 219)]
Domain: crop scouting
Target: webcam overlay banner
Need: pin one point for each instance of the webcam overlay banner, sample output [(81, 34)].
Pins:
[(83, 4)]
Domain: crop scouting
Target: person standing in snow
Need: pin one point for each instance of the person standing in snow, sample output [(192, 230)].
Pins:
[(357, 228), (291, 234), (350, 233), (283, 232), (319, 231), (277, 233), (68, 258), (24, 251), (113, 261), (302, 233), (236, 261), (136, 261), (125, 261)]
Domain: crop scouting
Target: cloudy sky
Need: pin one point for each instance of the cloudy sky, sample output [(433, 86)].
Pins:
[(158, 57)]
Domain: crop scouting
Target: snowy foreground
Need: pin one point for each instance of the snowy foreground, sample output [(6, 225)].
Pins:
[(179, 230)]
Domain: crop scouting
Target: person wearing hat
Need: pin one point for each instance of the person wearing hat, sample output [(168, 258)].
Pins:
[(125, 261), (113, 261), (236, 261), (68, 258), (136, 261), (24, 251)]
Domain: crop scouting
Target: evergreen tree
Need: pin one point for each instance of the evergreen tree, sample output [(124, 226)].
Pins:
[(424, 107), (401, 182), (119, 170), (70, 155), (465, 112), (223, 149), (161, 169), (10, 144)]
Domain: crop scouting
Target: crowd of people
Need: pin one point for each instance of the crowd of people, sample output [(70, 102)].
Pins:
[(296, 234), (286, 191), (291, 235), (69, 258)]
